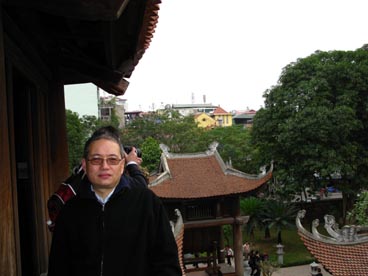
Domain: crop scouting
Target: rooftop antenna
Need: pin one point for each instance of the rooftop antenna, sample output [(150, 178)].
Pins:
[(192, 98)]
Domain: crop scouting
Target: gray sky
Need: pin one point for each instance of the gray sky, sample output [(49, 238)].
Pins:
[(233, 50)]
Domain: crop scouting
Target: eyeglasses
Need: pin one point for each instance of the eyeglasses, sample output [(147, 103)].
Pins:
[(109, 160)]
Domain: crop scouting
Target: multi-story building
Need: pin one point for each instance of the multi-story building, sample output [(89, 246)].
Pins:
[(190, 109), (245, 118), (204, 120), (109, 106), (222, 117)]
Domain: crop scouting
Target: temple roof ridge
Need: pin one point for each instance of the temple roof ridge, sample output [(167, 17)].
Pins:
[(348, 234), (202, 174)]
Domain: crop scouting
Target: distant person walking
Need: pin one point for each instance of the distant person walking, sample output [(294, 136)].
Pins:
[(246, 250), (229, 253)]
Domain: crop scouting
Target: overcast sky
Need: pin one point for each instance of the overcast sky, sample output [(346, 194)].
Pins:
[(232, 51)]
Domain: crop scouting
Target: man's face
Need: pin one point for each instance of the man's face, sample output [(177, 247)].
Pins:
[(104, 175)]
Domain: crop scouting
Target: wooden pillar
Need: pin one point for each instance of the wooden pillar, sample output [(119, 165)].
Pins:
[(8, 254), (58, 136), (238, 240)]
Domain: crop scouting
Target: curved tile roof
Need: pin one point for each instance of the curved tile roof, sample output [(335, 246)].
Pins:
[(339, 256), (189, 176)]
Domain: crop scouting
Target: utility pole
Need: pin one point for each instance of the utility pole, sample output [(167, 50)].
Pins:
[(98, 103)]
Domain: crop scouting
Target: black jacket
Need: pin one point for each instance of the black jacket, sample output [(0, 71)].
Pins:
[(130, 235)]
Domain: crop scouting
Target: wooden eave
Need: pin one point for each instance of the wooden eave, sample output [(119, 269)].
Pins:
[(82, 9), (99, 41)]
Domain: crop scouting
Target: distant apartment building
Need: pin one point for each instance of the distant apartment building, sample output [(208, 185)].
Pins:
[(88, 99), (191, 109), (205, 115), (130, 116), (110, 105), (222, 117), (203, 120), (244, 118)]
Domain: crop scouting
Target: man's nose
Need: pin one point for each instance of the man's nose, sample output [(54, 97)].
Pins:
[(104, 164)]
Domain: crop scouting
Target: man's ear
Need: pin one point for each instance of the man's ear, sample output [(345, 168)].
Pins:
[(84, 164), (122, 165)]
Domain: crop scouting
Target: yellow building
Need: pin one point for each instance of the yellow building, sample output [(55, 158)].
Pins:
[(204, 120), (222, 117)]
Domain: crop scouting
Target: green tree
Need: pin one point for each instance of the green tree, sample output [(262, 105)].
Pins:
[(114, 119), (280, 215), (78, 131), (151, 153), (179, 133), (76, 136), (315, 120), (254, 208), (359, 214), (235, 145)]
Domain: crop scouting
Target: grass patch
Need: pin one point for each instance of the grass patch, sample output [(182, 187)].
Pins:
[(295, 252)]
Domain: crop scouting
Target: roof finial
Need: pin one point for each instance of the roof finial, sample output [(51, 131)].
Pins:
[(212, 147), (165, 149)]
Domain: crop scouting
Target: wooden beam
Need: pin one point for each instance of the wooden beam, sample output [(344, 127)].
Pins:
[(88, 10), (117, 89), (216, 222), (90, 69)]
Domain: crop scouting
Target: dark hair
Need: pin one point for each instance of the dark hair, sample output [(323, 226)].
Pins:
[(106, 132)]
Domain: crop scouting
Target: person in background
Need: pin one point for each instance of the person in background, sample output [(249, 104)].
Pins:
[(113, 226), (228, 254), (246, 250)]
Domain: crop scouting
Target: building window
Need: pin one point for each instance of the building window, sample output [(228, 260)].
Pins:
[(106, 113)]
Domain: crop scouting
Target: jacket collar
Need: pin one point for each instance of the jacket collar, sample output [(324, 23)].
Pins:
[(85, 190)]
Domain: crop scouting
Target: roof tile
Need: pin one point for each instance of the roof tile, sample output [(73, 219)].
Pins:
[(205, 176)]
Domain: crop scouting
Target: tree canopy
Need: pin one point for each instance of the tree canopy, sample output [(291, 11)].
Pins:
[(315, 121), (78, 131), (182, 135)]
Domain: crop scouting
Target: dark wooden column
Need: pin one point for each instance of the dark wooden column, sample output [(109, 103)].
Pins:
[(238, 239), (58, 135), (8, 255)]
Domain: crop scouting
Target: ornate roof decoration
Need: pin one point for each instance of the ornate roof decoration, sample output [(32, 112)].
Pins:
[(201, 175), (343, 252)]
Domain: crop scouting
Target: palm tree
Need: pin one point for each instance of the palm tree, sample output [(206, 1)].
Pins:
[(254, 208), (280, 215)]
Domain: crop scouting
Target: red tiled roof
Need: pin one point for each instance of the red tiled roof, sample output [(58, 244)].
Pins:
[(338, 256), (201, 176), (219, 110), (339, 260), (179, 238), (150, 21)]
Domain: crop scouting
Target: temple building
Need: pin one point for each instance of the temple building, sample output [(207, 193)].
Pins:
[(207, 192)]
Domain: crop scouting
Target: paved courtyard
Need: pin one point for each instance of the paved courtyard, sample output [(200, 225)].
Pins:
[(302, 270)]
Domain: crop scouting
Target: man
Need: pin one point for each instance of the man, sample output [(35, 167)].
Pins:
[(70, 187), (114, 225)]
